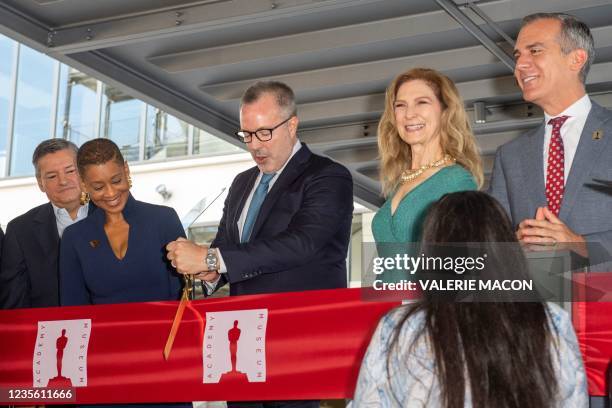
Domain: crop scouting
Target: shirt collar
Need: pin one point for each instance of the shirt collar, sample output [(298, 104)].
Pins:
[(580, 108), (62, 212)]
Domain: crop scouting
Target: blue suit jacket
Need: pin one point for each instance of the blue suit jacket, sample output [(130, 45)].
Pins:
[(301, 235), (518, 181), (90, 273)]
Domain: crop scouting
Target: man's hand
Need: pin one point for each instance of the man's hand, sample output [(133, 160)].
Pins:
[(187, 257), (548, 229)]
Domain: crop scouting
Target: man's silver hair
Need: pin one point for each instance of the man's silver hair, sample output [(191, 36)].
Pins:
[(285, 98)]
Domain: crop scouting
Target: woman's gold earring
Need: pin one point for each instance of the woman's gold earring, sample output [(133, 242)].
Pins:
[(84, 198), (129, 180)]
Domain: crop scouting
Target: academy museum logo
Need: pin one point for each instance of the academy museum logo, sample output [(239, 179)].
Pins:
[(234, 347), (60, 353)]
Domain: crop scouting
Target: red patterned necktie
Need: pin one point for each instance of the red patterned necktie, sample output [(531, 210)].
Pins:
[(555, 179)]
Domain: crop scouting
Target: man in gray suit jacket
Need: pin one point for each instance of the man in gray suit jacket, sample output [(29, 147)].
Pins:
[(546, 179)]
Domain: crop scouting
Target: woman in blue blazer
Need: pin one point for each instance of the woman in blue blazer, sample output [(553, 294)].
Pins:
[(116, 254)]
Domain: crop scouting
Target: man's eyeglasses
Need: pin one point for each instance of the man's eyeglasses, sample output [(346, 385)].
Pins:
[(263, 135)]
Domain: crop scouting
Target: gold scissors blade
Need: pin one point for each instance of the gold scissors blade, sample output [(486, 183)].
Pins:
[(178, 316)]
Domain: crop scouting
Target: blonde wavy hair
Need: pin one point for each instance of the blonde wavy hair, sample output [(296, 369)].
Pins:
[(456, 134)]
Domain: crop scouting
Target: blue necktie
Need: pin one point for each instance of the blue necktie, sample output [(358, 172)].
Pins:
[(256, 202)]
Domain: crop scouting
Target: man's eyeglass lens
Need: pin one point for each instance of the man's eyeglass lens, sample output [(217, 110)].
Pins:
[(263, 135)]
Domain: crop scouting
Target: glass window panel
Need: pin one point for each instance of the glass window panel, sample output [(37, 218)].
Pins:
[(7, 47), (166, 135), (77, 106), (122, 121), (62, 115), (33, 108), (208, 145)]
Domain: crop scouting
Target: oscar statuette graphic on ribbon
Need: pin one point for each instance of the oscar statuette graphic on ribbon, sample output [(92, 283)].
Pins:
[(233, 335), (60, 381)]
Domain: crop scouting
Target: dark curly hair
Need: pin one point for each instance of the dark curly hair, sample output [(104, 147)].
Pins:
[(98, 151)]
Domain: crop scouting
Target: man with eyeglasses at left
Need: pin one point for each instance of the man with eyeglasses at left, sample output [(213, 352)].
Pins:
[(29, 264), (286, 222)]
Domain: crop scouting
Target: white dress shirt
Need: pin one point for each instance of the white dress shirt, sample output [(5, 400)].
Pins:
[(570, 132), (63, 219)]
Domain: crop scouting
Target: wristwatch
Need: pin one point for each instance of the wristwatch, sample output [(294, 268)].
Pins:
[(211, 260)]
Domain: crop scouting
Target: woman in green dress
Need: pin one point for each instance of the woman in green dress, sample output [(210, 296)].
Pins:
[(427, 149)]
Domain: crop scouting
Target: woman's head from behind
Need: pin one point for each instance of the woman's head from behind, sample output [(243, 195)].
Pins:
[(424, 106), (105, 174)]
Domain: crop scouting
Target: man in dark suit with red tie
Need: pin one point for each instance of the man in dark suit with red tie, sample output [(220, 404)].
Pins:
[(286, 222)]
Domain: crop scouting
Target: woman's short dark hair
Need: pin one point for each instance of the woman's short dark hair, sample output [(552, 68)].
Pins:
[(98, 151)]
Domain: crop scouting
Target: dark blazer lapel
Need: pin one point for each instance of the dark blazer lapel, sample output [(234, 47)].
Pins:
[(47, 235), (587, 155), (243, 194), (532, 166), (294, 168)]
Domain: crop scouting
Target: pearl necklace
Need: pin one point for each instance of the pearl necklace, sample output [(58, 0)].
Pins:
[(411, 174)]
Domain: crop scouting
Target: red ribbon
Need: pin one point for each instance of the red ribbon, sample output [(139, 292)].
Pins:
[(314, 345)]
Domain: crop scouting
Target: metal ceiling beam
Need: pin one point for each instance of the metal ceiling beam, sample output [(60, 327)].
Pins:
[(385, 70), (472, 6), (345, 110), (21, 27), (329, 147), (504, 129), (404, 27), (381, 70), (366, 107), (183, 20), (333, 38), (451, 8)]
